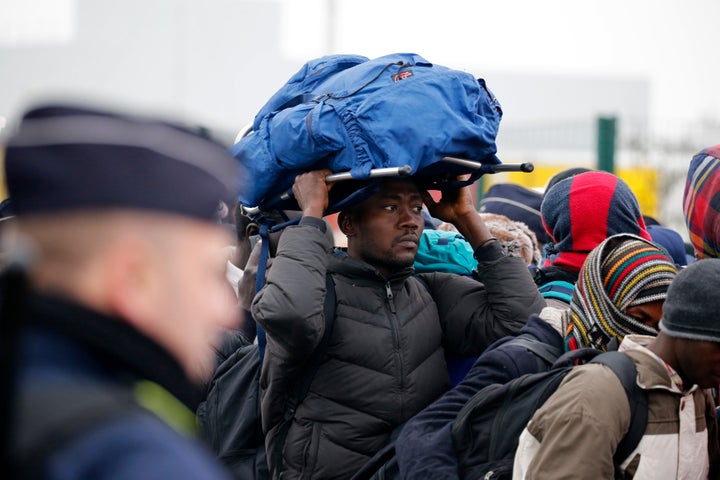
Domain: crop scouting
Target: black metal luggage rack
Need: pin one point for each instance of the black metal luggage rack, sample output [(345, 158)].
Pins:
[(403, 171)]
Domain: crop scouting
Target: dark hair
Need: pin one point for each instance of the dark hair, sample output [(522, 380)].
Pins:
[(241, 223), (570, 172)]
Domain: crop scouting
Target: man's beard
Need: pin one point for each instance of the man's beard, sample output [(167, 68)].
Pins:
[(387, 260)]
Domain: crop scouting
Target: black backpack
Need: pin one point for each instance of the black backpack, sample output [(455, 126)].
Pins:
[(487, 429), (384, 464), (229, 416)]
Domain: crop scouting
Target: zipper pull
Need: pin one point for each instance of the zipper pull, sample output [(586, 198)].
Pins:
[(389, 296)]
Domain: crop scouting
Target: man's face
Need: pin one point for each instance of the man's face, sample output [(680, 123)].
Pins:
[(385, 229), (647, 313), (699, 362), (193, 296)]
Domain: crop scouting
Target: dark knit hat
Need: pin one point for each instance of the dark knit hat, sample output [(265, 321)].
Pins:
[(701, 202), (67, 158), (623, 271), (671, 241), (582, 211), (692, 307), (562, 175), (517, 203)]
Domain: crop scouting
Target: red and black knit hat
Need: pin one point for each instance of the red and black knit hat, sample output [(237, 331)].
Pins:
[(582, 211)]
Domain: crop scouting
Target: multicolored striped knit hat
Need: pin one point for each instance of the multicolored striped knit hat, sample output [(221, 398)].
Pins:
[(701, 202), (581, 211), (623, 271)]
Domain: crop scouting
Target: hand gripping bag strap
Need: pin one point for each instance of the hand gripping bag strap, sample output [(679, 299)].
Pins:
[(299, 389)]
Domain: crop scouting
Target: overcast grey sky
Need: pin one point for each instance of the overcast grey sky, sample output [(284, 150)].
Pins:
[(215, 62), (673, 44), (670, 45)]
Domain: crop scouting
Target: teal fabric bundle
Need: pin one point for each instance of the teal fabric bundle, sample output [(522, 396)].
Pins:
[(441, 251)]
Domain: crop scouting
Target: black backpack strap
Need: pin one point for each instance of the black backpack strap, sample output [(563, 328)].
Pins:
[(626, 372), (299, 389), (373, 467), (546, 352), (383, 465), (576, 357)]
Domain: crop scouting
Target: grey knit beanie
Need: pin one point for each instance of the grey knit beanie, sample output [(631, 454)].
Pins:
[(692, 306)]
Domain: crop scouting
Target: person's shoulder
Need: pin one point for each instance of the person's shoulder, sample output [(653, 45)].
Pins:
[(138, 445), (593, 389), (504, 360), (590, 395), (442, 277)]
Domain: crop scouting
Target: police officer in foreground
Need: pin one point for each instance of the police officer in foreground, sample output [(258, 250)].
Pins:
[(116, 288)]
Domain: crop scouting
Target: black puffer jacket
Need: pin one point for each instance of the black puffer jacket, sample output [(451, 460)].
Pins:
[(386, 352)]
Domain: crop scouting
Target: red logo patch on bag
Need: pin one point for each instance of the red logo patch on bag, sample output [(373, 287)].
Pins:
[(402, 76)]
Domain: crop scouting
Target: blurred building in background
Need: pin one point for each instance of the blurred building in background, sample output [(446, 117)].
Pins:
[(214, 63)]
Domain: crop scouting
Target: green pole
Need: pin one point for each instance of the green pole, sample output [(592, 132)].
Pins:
[(606, 133)]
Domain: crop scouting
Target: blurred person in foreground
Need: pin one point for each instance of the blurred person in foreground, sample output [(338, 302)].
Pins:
[(121, 289)]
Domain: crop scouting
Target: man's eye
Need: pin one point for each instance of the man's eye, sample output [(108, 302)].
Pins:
[(390, 208), (418, 209)]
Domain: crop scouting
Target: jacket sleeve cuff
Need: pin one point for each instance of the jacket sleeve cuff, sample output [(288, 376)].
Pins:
[(318, 223), (489, 252)]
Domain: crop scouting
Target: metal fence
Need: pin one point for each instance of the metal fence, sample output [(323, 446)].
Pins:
[(651, 158)]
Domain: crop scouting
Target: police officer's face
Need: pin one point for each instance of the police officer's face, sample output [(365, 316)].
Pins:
[(385, 231), (195, 298)]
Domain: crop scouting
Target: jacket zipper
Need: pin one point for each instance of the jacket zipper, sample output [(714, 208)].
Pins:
[(396, 345), (390, 298)]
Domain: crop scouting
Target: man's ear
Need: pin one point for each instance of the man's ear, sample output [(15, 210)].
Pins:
[(252, 229), (346, 222)]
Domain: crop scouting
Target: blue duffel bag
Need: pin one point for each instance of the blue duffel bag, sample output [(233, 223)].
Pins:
[(351, 114)]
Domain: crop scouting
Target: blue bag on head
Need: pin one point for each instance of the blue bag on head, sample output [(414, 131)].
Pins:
[(349, 113)]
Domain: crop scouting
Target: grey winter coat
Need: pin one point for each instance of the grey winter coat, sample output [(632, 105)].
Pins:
[(386, 355)]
